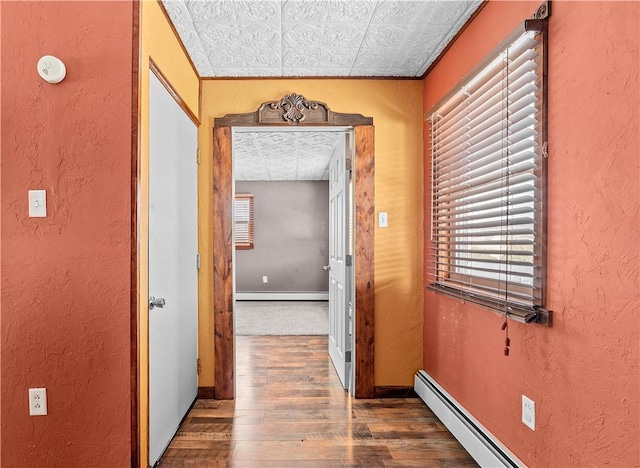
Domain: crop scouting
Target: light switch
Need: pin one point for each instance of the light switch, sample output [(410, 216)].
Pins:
[(37, 204), (382, 219)]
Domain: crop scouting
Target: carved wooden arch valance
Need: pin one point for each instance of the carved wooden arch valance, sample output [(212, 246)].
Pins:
[(293, 109)]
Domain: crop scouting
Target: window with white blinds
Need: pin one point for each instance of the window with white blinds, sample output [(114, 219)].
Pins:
[(488, 169), (243, 221)]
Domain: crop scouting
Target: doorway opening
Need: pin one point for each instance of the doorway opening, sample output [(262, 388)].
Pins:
[(294, 111), (293, 259)]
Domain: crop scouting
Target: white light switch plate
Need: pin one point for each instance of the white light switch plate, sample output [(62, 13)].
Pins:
[(37, 204), (382, 219)]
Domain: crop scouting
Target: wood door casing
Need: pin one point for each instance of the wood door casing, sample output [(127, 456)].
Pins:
[(364, 265), (222, 264), (224, 359)]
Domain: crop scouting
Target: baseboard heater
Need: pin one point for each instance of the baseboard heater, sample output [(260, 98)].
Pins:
[(282, 296), (485, 449)]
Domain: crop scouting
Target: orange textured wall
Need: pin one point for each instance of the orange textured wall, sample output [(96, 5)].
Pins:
[(397, 116), (66, 278), (583, 372)]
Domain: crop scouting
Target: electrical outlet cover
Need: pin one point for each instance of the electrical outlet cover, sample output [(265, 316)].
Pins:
[(529, 412), (37, 401)]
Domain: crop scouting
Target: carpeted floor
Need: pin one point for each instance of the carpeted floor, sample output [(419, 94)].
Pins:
[(281, 318)]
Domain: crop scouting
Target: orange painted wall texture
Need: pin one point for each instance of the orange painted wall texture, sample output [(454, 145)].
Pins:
[(396, 110), (66, 278), (583, 372)]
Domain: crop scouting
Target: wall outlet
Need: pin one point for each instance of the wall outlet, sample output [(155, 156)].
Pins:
[(529, 412), (265, 279), (37, 401)]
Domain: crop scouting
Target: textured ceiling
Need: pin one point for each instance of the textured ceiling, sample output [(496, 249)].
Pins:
[(293, 155), (322, 38)]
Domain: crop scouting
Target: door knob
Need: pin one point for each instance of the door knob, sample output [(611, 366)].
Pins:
[(327, 267), (153, 303)]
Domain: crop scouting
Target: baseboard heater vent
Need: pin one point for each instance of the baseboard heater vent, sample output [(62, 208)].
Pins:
[(281, 296), (485, 449)]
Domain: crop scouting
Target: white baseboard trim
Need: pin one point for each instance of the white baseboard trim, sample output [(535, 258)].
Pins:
[(485, 449), (282, 296)]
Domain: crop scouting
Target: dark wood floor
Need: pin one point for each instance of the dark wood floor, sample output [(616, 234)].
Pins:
[(290, 410)]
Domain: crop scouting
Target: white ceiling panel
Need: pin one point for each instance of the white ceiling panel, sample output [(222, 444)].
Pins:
[(281, 38), (283, 155)]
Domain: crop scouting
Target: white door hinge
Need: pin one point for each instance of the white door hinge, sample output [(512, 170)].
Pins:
[(349, 163), (198, 260)]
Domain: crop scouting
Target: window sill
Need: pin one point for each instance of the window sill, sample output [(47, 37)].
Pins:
[(534, 314)]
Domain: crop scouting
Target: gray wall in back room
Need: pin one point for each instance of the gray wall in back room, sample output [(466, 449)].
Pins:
[(291, 226)]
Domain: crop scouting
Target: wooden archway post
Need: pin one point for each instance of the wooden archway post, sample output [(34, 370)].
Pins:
[(293, 110)]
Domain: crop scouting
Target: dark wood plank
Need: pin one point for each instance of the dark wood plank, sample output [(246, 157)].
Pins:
[(426, 449), (309, 450), (407, 430), (206, 392), (136, 117), (431, 463), (276, 425), (222, 268), (364, 261), (312, 464), (394, 392)]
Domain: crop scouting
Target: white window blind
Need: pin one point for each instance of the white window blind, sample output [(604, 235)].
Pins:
[(487, 180), (243, 220)]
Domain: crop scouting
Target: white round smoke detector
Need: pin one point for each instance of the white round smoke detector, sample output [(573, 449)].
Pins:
[(51, 69)]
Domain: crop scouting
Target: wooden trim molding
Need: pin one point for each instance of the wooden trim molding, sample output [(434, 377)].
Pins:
[(206, 393), (454, 39), (135, 189), (153, 66), (222, 266), (307, 78), (293, 109), (394, 392), (364, 261), (178, 38)]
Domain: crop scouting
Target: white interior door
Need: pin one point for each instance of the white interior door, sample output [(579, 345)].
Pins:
[(339, 340), (173, 245)]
